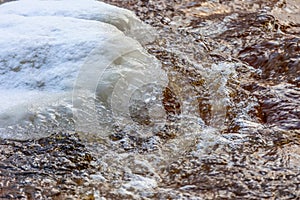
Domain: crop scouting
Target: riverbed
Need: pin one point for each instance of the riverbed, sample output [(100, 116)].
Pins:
[(233, 106)]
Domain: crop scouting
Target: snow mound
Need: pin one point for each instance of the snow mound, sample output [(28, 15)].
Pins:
[(48, 48)]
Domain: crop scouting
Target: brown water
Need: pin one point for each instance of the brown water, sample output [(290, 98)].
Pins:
[(236, 65)]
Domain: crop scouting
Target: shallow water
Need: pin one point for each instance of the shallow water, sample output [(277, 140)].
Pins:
[(233, 110)]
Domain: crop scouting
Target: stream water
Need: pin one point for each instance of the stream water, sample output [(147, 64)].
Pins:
[(231, 108)]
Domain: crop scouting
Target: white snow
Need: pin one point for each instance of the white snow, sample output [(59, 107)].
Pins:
[(45, 52), (123, 19)]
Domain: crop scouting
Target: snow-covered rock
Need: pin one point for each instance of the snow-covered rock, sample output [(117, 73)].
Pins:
[(51, 49)]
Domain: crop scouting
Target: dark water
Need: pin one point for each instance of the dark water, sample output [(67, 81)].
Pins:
[(237, 65)]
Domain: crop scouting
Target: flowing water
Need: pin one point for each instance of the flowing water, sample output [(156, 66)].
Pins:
[(232, 106)]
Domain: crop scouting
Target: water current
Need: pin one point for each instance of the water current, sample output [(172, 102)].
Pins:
[(232, 109)]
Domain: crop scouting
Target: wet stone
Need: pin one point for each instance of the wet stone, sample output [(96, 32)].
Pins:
[(50, 162)]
